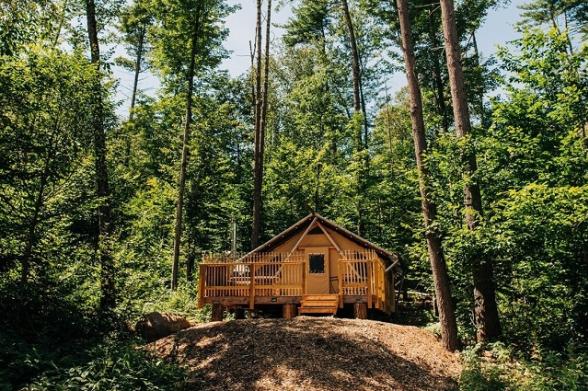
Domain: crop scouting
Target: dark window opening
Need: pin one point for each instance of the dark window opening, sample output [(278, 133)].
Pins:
[(317, 263)]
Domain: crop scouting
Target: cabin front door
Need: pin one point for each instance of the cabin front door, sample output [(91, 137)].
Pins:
[(317, 270)]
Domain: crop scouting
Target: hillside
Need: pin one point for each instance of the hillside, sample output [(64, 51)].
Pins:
[(311, 354)]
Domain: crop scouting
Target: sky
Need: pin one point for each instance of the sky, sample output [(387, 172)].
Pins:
[(498, 29)]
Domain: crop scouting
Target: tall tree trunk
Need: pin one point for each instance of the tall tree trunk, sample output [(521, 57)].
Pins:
[(185, 145), (108, 299), (357, 106), (569, 38), (258, 159), (190, 263), (60, 24), (487, 322), (263, 122), (439, 87), (355, 70), (477, 59), (137, 71), (435, 250)]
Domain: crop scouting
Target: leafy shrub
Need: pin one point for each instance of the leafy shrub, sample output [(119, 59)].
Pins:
[(114, 365), (498, 369)]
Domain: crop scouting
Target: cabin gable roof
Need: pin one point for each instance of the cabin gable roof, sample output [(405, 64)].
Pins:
[(303, 225)]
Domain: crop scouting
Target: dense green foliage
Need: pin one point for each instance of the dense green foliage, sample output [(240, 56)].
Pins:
[(529, 107)]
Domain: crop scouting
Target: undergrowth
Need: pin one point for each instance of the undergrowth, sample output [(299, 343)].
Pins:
[(500, 369)]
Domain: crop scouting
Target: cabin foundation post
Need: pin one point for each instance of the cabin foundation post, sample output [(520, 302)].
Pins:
[(288, 311), (218, 312), (360, 310)]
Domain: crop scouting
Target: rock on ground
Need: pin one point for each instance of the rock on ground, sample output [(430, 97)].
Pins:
[(310, 354), (157, 325)]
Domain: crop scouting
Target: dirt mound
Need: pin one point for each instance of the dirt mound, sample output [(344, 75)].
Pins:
[(310, 354)]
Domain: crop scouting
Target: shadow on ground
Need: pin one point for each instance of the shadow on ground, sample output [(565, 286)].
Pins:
[(308, 354)]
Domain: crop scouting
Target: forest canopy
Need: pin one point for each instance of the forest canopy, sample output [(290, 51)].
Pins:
[(100, 199)]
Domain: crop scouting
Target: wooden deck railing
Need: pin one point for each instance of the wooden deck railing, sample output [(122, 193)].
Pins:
[(360, 273), (259, 274)]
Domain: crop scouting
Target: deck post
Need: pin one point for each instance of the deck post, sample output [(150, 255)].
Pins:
[(360, 310), (369, 283), (288, 311), (252, 287), (340, 278), (218, 312)]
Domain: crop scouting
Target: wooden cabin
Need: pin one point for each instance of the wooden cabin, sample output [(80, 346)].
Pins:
[(313, 267)]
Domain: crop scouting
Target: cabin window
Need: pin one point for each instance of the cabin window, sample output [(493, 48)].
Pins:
[(316, 263)]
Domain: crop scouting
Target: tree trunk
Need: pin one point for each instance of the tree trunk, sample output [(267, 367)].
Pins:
[(258, 158), (354, 58), (439, 87), (185, 145), (481, 97), (191, 261), (137, 70), (435, 250), (357, 106), (108, 299), (487, 322)]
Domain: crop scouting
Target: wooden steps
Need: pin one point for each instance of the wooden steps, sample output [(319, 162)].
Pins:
[(319, 304)]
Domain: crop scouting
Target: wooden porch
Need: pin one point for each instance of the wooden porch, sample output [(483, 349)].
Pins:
[(265, 278)]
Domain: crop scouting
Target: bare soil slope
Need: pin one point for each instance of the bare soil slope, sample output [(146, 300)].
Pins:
[(310, 354)]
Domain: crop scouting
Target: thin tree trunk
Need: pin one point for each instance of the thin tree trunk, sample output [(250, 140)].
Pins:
[(441, 106), (571, 46), (252, 79), (477, 59), (487, 322), (190, 265), (108, 299), (60, 25), (354, 57), (435, 250), (258, 162), (357, 107), (185, 145), (263, 120), (137, 70), (364, 113)]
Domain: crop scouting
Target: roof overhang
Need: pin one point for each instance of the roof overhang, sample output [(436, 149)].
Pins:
[(391, 259)]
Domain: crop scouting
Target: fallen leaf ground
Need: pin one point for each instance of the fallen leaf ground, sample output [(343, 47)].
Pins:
[(310, 353)]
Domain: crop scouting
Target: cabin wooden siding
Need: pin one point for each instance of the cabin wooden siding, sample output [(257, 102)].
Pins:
[(286, 287)]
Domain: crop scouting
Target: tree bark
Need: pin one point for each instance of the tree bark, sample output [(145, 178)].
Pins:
[(435, 250), (137, 71), (487, 322), (258, 157), (354, 58), (357, 103), (481, 97), (185, 145), (107, 272), (439, 87)]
